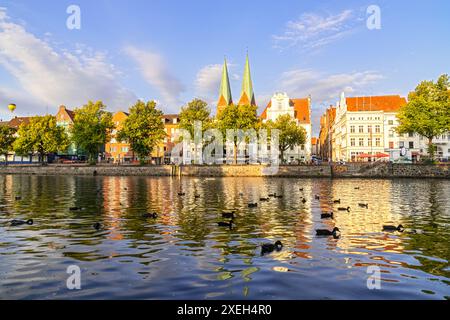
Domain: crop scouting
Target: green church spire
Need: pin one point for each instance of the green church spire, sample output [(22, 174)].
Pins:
[(247, 94), (225, 98)]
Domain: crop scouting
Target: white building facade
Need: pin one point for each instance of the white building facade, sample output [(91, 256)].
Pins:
[(364, 129), (300, 111)]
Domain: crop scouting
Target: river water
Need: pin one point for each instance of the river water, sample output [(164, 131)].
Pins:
[(184, 254)]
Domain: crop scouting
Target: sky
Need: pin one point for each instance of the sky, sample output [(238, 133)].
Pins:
[(172, 51)]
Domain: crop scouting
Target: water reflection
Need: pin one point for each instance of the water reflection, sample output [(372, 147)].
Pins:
[(184, 254)]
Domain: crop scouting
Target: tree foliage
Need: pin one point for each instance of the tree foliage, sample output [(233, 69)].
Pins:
[(196, 110), (290, 133), (237, 118), (42, 136), (428, 111), (143, 129), (7, 138), (91, 128)]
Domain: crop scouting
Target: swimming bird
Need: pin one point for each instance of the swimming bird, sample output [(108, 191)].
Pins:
[(264, 199), (228, 215), (18, 198), (272, 195), (301, 189), (324, 232), (278, 196), (125, 189), (317, 197), (252, 205), (76, 208), (15, 223), (357, 188), (269, 247), (344, 209), (97, 226), (181, 194), (304, 200), (337, 201), (150, 215), (400, 228), (363, 205), (327, 215), (197, 196), (226, 224)]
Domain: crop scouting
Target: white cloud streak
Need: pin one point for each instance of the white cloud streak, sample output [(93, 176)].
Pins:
[(155, 71), (52, 77), (312, 31)]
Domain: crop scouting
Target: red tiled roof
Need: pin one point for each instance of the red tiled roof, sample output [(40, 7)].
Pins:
[(18, 121), (301, 108), (377, 103)]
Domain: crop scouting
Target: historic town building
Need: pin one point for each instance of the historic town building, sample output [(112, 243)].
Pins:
[(298, 109), (325, 135), (118, 151), (364, 128)]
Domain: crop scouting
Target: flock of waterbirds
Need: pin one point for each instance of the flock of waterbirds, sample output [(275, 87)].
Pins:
[(231, 215)]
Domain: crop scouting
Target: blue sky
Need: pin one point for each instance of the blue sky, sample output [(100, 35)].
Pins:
[(172, 51)]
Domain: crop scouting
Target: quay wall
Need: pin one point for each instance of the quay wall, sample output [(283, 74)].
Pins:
[(350, 170)]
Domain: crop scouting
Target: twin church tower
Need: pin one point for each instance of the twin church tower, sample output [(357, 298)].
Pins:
[(247, 94)]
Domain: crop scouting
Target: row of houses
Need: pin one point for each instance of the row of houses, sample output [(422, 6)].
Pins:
[(364, 129), (114, 151)]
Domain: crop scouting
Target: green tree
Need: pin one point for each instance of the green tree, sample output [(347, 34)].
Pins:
[(237, 118), (290, 134), (91, 128), (143, 129), (7, 138), (196, 110), (42, 136), (428, 111)]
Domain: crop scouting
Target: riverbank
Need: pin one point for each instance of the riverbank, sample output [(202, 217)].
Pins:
[(351, 170)]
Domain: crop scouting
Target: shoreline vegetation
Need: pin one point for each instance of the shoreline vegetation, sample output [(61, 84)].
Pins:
[(350, 170)]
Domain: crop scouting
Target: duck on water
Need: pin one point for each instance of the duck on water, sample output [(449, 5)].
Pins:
[(270, 247), (15, 223)]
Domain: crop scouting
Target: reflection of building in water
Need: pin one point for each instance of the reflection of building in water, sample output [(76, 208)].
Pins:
[(367, 223), (116, 196)]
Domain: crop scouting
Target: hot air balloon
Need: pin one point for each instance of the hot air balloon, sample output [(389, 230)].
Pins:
[(12, 107)]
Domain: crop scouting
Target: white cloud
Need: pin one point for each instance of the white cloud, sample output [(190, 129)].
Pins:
[(53, 77), (155, 71), (312, 31), (324, 87), (207, 82)]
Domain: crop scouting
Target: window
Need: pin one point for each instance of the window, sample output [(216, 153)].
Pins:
[(361, 129), (391, 122), (401, 144), (352, 129), (369, 142), (391, 133), (361, 142), (410, 134), (369, 129), (125, 149), (377, 129), (391, 145), (411, 144), (378, 142), (352, 142)]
